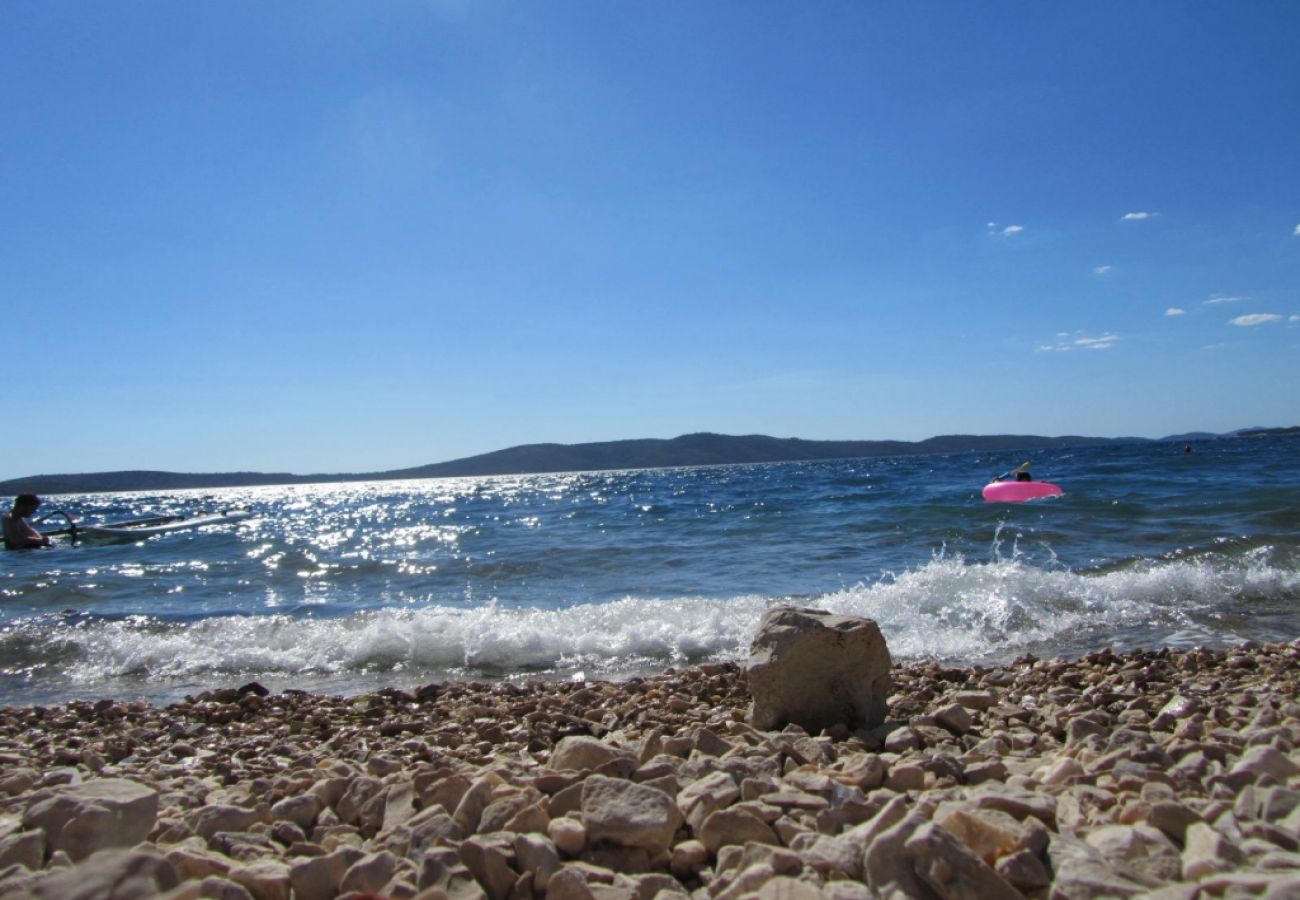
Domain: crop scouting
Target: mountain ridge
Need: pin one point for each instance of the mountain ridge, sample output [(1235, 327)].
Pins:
[(696, 449)]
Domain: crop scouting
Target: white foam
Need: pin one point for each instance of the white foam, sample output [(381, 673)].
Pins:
[(947, 609)]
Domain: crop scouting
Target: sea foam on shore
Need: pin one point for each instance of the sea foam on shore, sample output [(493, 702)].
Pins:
[(951, 609), (1155, 773)]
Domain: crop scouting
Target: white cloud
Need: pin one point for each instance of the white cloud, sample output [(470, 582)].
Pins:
[(1137, 216), (1105, 342), (1101, 270), (995, 229), (1297, 231), (1294, 319), (1255, 319), (1175, 311), (1069, 341), (1217, 298)]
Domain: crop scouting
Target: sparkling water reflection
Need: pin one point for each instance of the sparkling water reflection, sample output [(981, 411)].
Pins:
[(615, 572)]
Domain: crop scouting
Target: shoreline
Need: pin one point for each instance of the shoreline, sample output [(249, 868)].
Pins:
[(1172, 773)]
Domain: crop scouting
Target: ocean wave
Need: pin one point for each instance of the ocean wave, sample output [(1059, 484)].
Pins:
[(948, 609)]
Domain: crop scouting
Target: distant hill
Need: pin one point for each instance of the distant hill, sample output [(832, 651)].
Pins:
[(1192, 436), (687, 450), (1267, 432), (94, 482), (715, 449)]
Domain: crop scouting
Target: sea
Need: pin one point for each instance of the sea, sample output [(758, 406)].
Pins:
[(347, 588)]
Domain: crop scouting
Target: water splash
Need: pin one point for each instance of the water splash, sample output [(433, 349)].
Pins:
[(948, 609), (611, 573)]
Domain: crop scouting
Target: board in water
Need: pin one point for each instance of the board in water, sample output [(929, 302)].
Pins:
[(144, 528), (1019, 491)]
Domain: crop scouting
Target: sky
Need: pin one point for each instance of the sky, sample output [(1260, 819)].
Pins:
[(347, 236)]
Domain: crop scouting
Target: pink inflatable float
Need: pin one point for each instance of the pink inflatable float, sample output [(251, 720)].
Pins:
[(1016, 491)]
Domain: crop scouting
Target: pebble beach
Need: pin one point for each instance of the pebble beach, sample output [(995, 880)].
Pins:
[(1164, 773)]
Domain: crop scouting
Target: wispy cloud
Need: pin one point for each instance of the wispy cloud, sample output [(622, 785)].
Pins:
[(1218, 298), (1137, 216), (1101, 270), (1078, 340), (1005, 232), (1175, 311), (1255, 319), (1297, 231), (1294, 318), (1105, 342)]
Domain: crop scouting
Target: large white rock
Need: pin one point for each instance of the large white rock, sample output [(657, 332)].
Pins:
[(470, 810), (318, 877), (208, 820), (952, 870), (83, 818), (1207, 852), (1082, 872), (442, 870), (488, 859), (301, 810), (886, 864), (583, 753), (23, 848), (991, 833), (814, 669), (192, 863), (265, 879), (1261, 761), (363, 804), (537, 854), (1146, 849), (831, 857), (735, 827), (701, 798), (629, 814), (116, 874), (425, 829), (369, 874), (568, 835)]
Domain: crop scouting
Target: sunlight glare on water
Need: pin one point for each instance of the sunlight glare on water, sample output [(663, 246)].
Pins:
[(612, 573)]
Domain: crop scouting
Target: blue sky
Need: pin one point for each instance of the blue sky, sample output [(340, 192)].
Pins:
[(319, 237)]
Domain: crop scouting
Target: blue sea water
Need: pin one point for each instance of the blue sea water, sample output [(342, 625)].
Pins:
[(345, 587)]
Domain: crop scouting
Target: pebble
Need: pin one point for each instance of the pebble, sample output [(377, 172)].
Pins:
[(1161, 773)]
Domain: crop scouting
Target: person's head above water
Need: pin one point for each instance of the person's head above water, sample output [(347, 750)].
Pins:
[(26, 504)]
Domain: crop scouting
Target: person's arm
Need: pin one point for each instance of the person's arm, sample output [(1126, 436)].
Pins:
[(19, 534), (34, 537)]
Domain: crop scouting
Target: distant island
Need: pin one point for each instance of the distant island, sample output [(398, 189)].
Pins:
[(650, 453)]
